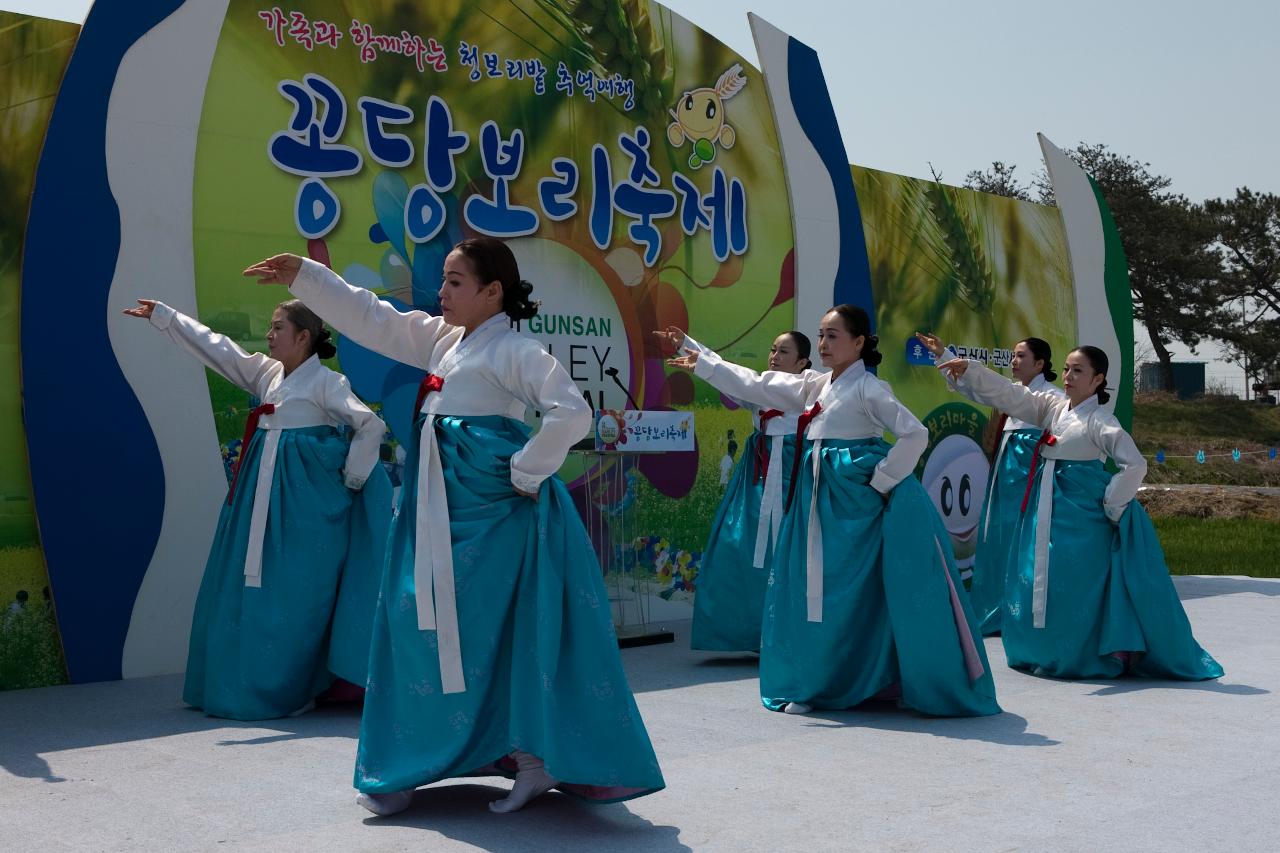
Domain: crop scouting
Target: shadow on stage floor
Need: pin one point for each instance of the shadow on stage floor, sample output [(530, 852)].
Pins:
[(1005, 729), (554, 822), (1202, 586), (52, 719)]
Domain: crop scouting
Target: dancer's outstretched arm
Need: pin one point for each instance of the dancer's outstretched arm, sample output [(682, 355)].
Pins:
[(771, 389), (406, 336), (247, 370), (986, 386)]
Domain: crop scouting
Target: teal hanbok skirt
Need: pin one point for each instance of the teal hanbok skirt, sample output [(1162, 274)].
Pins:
[(728, 606), (258, 653), (1111, 604), (896, 619), (541, 662), (1000, 517)]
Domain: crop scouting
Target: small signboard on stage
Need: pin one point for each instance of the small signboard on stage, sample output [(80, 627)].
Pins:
[(633, 431)]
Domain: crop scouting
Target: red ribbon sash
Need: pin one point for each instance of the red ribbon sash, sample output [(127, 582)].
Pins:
[(801, 426), (762, 446), (429, 383), (1045, 438), (250, 427)]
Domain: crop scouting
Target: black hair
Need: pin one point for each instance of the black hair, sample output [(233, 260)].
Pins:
[(1099, 362), (857, 322), (804, 348), (493, 260), (1040, 351), (304, 319)]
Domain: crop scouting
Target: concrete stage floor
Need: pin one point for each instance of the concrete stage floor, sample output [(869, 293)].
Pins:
[(1125, 765)]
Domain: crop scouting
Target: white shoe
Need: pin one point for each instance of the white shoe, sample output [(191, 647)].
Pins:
[(386, 804), (796, 708), (305, 709)]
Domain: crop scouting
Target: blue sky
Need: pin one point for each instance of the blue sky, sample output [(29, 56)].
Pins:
[(1186, 86)]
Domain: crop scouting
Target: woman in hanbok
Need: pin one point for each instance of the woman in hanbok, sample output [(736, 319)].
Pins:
[(493, 645), (1031, 366), (729, 604), (864, 600), (287, 598), (1089, 594)]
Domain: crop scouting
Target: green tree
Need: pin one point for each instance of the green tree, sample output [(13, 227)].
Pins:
[(1247, 243), (998, 180)]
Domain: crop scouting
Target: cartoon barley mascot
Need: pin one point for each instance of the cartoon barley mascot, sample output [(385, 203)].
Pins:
[(699, 118)]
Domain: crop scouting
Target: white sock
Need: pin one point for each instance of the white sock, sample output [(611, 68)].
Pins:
[(797, 708), (531, 780), (386, 804)]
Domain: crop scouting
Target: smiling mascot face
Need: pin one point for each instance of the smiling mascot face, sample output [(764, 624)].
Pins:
[(956, 479)]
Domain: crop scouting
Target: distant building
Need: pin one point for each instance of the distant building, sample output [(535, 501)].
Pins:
[(1188, 378)]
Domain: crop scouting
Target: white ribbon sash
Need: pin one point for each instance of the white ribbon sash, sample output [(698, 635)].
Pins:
[(281, 419), (433, 581), (770, 501), (1044, 524), (433, 576), (813, 591)]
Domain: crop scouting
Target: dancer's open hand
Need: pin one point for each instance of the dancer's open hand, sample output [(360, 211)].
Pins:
[(146, 307), (954, 368), (683, 362), (278, 269)]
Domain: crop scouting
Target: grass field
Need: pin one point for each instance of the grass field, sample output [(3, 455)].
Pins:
[(1220, 546)]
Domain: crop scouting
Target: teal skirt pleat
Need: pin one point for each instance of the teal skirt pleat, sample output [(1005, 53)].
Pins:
[(1110, 596), (992, 562), (728, 607), (262, 652), (895, 616), (540, 658)]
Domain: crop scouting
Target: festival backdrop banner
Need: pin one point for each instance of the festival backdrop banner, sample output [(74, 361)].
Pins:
[(33, 54), (628, 158), (643, 173)]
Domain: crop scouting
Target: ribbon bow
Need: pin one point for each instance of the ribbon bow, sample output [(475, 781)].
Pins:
[(1045, 438), (762, 446), (429, 383), (250, 427), (801, 425)]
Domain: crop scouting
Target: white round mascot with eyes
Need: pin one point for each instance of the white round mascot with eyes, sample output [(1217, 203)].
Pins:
[(955, 476)]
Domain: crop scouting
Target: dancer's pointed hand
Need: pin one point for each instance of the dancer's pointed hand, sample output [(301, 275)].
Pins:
[(672, 337), (931, 343)]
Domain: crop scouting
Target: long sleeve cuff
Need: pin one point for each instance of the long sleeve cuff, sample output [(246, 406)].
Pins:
[(882, 482), (162, 315), (704, 368), (528, 483)]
